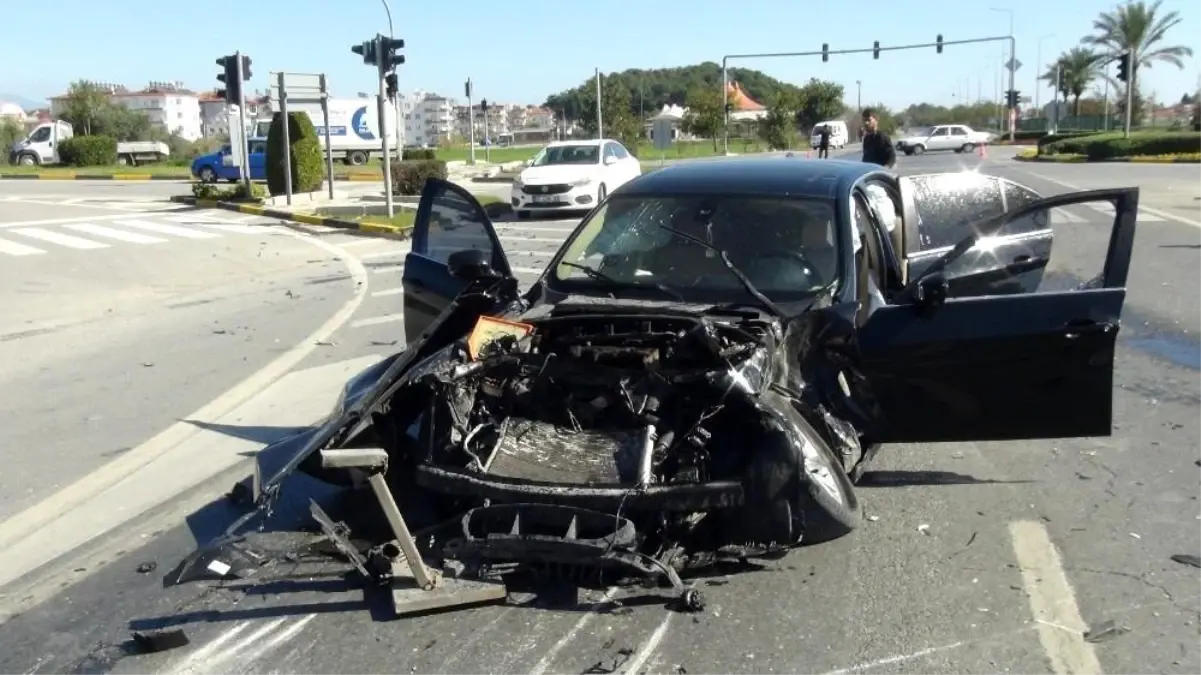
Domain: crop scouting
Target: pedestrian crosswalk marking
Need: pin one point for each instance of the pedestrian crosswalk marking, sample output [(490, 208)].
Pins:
[(111, 233), (58, 238), (243, 229), (13, 248), (163, 228)]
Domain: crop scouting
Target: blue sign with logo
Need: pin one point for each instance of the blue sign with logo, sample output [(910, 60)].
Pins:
[(359, 123)]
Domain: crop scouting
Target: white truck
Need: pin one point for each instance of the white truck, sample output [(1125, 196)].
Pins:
[(41, 147), (354, 134)]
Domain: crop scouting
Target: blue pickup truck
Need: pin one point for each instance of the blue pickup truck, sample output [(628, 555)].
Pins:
[(212, 168)]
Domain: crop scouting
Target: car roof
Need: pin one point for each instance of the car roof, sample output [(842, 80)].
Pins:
[(585, 141), (773, 176)]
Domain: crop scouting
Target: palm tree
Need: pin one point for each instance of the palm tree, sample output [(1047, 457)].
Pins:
[(1139, 27)]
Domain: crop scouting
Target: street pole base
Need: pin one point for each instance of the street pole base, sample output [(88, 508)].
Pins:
[(409, 598)]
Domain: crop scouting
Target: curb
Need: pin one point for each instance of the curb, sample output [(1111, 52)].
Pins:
[(1050, 159), (304, 218), (142, 177)]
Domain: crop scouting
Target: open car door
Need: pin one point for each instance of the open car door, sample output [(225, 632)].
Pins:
[(448, 220), (1004, 366), (940, 210)]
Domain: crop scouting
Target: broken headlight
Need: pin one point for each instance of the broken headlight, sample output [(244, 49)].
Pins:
[(751, 374)]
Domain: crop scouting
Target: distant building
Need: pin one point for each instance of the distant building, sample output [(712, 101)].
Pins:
[(672, 113), (170, 106), (743, 107), (214, 113), (428, 118)]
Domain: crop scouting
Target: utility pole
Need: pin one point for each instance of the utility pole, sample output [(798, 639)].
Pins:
[(382, 52), (470, 123), (1058, 86), (600, 132)]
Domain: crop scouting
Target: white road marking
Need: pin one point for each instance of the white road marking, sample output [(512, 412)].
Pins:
[(163, 228), (75, 517), (377, 320), (203, 654), (383, 254), (59, 238), (1060, 627), (216, 658), (388, 269), (891, 660), (112, 233), (13, 248), (509, 227), (1141, 208), (548, 659), (238, 228), (60, 221), (256, 652), (388, 291), (536, 271), (648, 648)]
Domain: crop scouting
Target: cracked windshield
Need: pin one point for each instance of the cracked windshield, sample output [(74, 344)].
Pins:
[(480, 337)]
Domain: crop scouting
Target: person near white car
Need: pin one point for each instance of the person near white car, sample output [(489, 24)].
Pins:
[(572, 175)]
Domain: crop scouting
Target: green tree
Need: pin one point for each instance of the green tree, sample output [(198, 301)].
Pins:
[(83, 106), (619, 122), (818, 101), (1142, 28), (705, 117), (11, 131), (1074, 71), (778, 125)]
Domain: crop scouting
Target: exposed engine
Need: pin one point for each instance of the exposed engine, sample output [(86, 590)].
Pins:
[(634, 401)]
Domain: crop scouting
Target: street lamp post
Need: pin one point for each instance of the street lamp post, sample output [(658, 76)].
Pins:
[(859, 95), (1038, 67), (1010, 66)]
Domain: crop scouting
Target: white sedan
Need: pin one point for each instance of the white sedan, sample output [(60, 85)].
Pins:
[(572, 175)]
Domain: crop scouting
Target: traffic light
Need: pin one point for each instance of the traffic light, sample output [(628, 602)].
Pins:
[(367, 50), (467, 88), (484, 104), (232, 93), (876, 50), (1124, 67), (245, 67), (825, 52), (1011, 98), (390, 84), (938, 43), (390, 56)]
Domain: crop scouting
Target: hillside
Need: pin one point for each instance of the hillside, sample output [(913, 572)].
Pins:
[(650, 89)]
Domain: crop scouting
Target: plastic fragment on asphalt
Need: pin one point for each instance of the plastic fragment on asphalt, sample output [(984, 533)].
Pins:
[(1104, 631), (873, 518), (1187, 559), (160, 641), (219, 568), (924, 529)]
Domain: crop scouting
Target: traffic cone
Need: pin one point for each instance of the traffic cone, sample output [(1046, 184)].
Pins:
[(808, 154), (983, 151)]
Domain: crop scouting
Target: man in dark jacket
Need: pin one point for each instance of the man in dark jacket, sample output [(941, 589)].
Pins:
[(823, 142), (877, 146)]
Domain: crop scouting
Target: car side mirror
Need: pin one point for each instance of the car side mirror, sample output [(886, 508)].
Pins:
[(610, 159), (529, 162), (931, 292), (470, 265)]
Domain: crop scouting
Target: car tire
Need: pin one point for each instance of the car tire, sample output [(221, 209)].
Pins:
[(967, 147), (207, 175), (28, 160), (356, 158), (916, 150), (831, 508)]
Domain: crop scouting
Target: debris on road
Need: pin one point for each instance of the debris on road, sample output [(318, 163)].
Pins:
[(160, 641), (1187, 559), (924, 529), (147, 567), (1104, 631)]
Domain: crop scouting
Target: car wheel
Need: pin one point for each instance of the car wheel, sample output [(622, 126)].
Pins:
[(207, 175), (832, 509), (356, 158), (967, 147), (916, 150), (907, 151), (27, 160)]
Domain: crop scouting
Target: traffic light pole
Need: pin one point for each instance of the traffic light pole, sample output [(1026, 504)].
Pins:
[(725, 79), (244, 146), (383, 130), (1130, 81)]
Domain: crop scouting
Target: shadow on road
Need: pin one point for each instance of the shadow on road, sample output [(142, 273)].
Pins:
[(910, 478)]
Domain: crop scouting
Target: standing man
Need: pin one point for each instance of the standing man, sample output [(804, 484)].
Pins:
[(823, 142), (877, 146)]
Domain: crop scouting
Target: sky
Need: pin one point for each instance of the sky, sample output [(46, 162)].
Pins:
[(522, 52)]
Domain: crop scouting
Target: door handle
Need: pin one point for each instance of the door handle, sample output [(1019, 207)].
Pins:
[(1021, 259), (1078, 327)]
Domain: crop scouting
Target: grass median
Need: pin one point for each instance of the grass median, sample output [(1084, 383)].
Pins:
[(403, 216)]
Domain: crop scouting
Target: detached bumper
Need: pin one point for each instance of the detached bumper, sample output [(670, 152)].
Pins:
[(606, 498)]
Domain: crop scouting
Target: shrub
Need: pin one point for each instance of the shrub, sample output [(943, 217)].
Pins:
[(1047, 139), (408, 177), (1112, 144), (88, 151), (305, 155), (234, 193), (418, 154)]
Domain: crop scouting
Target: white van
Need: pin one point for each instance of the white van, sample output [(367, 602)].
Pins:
[(838, 134)]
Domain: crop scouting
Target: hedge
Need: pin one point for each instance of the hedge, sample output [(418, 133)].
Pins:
[(308, 169), (1110, 145), (408, 177), (1046, 139), (417, 153), (88, 151)]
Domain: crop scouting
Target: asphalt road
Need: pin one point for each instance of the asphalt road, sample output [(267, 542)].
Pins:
[(979, 557)]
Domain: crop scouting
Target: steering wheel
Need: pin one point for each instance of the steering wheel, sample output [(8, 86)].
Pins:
[(799, 262)]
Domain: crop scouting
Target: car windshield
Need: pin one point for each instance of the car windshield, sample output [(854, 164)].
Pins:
[(568, 154), (786, 246)]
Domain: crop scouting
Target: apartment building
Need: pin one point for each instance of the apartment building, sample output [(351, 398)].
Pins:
[(504, 118), (169, 105), (428, 118), (214, 116)]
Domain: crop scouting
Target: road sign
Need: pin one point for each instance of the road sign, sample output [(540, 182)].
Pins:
[(1013, 64), (661, 132)]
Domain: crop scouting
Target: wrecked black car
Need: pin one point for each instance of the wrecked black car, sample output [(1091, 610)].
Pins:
[(710, 360)]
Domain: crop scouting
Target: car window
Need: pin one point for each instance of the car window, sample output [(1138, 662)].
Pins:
[(958, 131), (610, 151), (947, 204), (785, 245), (886, 210), (620, 151), (455, 225), (1017, 196), (941, 131), (40, 135), (258, 147)]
